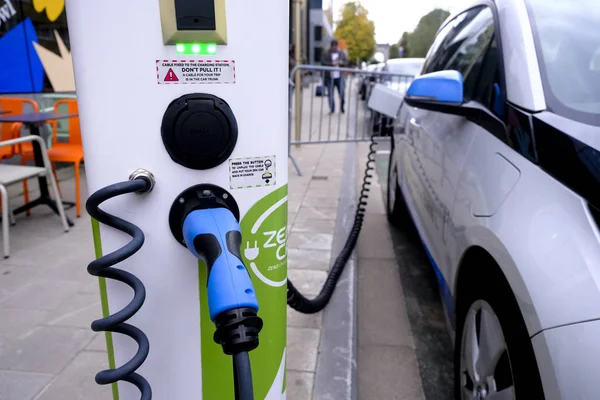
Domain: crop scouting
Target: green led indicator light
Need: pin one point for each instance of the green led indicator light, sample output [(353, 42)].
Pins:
[(207, 49)]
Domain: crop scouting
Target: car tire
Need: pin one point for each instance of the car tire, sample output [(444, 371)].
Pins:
[(382, 125), (375, 122), (396, 210), (488, 317), (363, 91), (386, 126)]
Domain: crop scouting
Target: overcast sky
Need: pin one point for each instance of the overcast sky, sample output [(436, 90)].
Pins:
[(392, 17)]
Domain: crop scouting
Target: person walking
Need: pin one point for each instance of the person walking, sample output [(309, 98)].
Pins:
[(334, 57)]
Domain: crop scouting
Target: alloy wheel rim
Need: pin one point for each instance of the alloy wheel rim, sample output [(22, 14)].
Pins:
[(485, 368)]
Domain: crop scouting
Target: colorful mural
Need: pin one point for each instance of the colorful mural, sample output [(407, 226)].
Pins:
[(34, 47)]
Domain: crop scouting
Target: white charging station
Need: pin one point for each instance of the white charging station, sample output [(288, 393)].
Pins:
[(132, 60)]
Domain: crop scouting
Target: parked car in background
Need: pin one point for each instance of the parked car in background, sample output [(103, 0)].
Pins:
[(404, 70), (496, 160), (369, 80)]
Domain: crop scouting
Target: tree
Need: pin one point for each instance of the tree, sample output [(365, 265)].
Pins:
[(357, 31), (403, 43), (419, 41), (394, 51)]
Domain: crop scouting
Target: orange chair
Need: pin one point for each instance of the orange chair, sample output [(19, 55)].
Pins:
[(8, 130), (69, 152)]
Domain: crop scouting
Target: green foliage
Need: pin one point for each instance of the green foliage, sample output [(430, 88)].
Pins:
[(417, 43), (394, 51), (404, 44), (357, 31)]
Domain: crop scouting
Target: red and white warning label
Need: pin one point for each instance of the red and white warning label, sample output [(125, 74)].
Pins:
[(195, 71)]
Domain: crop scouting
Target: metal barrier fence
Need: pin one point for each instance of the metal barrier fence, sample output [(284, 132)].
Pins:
[(318, 115)]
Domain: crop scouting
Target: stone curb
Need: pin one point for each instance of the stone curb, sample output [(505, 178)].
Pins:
[(336, 374)]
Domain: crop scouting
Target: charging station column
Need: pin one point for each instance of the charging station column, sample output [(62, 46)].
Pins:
[(196, 93)]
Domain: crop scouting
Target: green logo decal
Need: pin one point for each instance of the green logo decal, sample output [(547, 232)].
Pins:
[(264, 252), (265, 241), (264, 249)]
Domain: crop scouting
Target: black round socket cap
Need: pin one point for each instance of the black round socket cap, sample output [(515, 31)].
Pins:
[(199, 131)]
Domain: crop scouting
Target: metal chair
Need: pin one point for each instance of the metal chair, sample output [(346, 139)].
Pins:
[(10, 174), (63, 152)]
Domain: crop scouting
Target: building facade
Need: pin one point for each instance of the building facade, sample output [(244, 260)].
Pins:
[(316, 29), (34, 47), (320, 31)]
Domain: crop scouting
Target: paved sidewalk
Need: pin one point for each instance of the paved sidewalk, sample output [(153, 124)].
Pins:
[(313, 208), (387, 361), (48, 300)]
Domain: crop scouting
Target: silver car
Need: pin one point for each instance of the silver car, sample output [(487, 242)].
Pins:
[(404, 70), (496, 161)]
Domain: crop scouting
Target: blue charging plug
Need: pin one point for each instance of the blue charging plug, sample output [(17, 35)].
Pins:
[(214, 235)]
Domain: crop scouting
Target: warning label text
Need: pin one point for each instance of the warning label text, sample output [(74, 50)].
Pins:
[(195, 72)]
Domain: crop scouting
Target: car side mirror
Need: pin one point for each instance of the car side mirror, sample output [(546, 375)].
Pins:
[(441, 91)]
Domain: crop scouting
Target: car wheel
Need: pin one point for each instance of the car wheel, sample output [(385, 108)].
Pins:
[(493, 358), (397, 213), (386, 126), (376, 122)]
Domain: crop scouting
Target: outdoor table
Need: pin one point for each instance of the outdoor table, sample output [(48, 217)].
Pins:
[(33, 121)]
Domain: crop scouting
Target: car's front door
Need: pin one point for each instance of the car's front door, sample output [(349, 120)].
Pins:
[(440, 141)]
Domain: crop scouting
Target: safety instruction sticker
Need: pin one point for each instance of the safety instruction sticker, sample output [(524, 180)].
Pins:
[(195, 71), (251, 172)]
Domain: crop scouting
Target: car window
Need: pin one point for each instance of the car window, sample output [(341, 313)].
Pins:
[(475, 39), (568, 50), (444, 46), (431, 60), (488, 89)]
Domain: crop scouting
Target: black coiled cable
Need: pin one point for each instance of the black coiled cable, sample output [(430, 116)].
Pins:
[(295, 299), (102, 267)]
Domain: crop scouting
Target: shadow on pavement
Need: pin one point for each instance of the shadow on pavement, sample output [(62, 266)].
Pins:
[(426, 314), (433, 345)]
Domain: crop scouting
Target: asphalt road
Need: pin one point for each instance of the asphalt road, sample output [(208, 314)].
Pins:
[(434, 349)]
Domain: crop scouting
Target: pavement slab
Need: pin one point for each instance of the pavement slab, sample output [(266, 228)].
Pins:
[(388, 372), (303, 346), (22, 385), (45, 349), (76, 382)]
